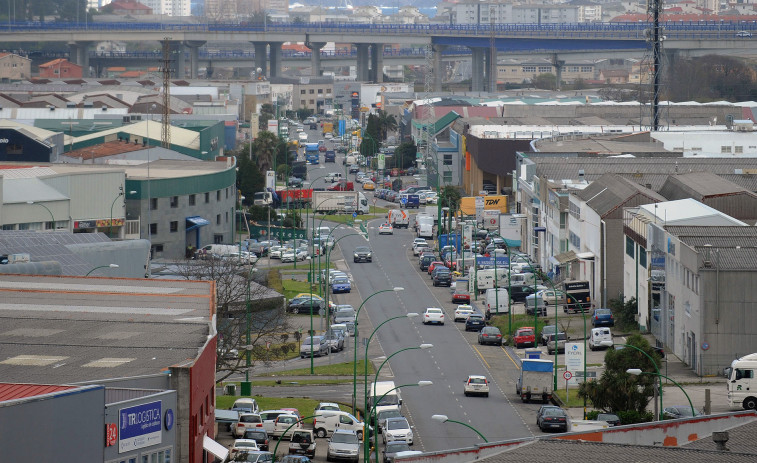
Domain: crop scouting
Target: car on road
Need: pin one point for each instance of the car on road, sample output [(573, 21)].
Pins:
[(600, 338), (460, 296), (433, 265), (303, 443), (476, 385), (524, 337), (433, 315), (475, 322), (343, 445), (253, 456), (386, 229), (398, 429), (602, 317), (556, 341), (341, 285), (441, 276), (552, 418), (490, 335), (362, 254), (611, 418), (744, 34), (246, 421), (385, 414), (425, 261), (259, 435), (679, 411), (462, 312)]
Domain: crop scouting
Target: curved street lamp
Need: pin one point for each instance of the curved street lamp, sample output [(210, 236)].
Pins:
[(46, 208), (365, 381), (654, 364), (354, 348), (101, 266), (273, 458), (373, 412), (445, 419), (637, 372)]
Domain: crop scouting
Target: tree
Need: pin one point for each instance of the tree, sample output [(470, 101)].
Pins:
[(267, 112), (264, 149), (304, 113), (267, 314), (386, 123), (617, 390), (405, 154), (545, 81), (450, 196)]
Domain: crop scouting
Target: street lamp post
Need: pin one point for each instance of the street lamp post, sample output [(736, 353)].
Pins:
[(249, 322), (444, 419), (373, 410), (354, 361), (637, 372), (101, 266), (273, 457), (110, 224), (657, 371), (367, 343), (46, 208)]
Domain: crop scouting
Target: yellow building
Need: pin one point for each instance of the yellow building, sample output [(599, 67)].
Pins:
[(14, 67)]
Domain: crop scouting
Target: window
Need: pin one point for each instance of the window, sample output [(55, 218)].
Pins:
[(302, 92), (312, 101), (217, 239), (303, 102), (742, 373), (725, 149), (738, 149), (227, 193), (218, 219), (642, 257), (545, 69), (218, 195), (529, 68), (153, 228), (227, 217), (447, 159), (320, 90), (575, 240), (174, 201), (153, 204), (586, 68), (311, 91), (158, 248), (192, 200), (448, 177), (174, 226), (207, 198), (629, 247)]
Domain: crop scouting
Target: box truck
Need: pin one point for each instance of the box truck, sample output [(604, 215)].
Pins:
[(535, 380)]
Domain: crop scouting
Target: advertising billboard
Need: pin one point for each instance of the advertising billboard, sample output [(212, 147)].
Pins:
[(139, 426)]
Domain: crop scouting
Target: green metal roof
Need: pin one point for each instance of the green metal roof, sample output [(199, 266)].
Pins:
[(442, 122)]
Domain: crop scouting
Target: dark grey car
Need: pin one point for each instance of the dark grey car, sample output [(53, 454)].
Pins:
[(363, 254)]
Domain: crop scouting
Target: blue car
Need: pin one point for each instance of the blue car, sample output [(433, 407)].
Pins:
[(602, 317), (341, 285)]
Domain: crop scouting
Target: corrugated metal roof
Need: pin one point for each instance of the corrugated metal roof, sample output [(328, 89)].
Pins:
[(688, 211), (151, 129), (12, 171), (40, 134), (12, 391), (700, 185), (611, 191)]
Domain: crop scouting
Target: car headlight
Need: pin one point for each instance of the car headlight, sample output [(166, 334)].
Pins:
[(369, 254), (355, 255)]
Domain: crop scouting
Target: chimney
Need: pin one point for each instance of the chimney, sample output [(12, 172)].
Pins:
[(720, 438)]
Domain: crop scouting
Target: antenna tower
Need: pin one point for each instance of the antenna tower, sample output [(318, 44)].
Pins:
[(165, 130), (654, 37), (492, 71)]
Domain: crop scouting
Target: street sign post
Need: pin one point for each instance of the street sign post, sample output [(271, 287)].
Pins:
[(574, 360)]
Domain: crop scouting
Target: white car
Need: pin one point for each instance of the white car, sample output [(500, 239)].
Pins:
[(246, 421), (433, 315), (397, 429), (463, 311), (386, 229), (290, 254), (276, 251), (477, 385), (242, 445)]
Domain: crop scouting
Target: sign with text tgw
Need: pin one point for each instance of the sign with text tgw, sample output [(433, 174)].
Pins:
[(139, 426)]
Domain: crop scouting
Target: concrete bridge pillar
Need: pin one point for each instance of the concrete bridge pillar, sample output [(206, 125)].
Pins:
[(194, 56), (315, 57), (362, 62), (558, 65), (275, 58), (79, 54), (437, 50), (477, 69), (179, 64), (261, 57), (377, 63)]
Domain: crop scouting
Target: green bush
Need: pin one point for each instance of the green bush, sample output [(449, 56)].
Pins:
[(633, 417), (274, 281)]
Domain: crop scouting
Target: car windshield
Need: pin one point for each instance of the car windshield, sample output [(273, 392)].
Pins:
[(344, 438), (341, 281), (394, 447), (383, 415), (525, 333), (603, 312), (245, 444), (477, 381), (362, 249), (397, 424)]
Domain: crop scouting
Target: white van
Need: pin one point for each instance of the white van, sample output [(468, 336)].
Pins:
[(387, 393), (522, 279), (218, 250), (497, 296), (326, 421), (600, 337)]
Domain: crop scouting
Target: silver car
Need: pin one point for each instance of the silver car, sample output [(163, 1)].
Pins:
[(343, 445)]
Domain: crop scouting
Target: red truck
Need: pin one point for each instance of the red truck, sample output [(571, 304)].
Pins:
[(342, 185), (295, 198)]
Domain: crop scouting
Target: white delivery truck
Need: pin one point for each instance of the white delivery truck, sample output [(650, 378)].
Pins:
[(384, 395), (497, 301), (340, 202), (425, 226), (535, 381), (398, 218), (742, 383)]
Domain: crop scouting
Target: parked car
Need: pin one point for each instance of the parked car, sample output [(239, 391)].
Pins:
[(553, 418), (433, 265), (461, 296), (519, 293), (476, 385), (259, 435), (343, 445), (246, 405), (240, 445), (679, 411), (344, 313), (433, 315), (600, 338), (524, 337), (611, 418), (475, 322), (425, 261), (341, 285), (398, 429), (602, 317), (246, 421), (323, 406), (303, 442), (391, 449), (546, 332), (335, 341), (385, 414), (442, 276), (253, 456), (320, 347), (305, 305), (490, 335), (556, 341)]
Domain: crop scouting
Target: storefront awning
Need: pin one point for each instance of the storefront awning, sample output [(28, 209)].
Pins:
[(196, 222), (215, 448), (563, 258)]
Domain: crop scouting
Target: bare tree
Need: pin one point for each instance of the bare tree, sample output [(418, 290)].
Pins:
[(265, 317)]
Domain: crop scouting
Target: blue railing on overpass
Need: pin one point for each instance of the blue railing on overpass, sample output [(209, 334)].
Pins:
[(672, 29)]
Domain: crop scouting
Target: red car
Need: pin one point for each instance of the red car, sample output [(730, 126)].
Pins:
[(460, 297), (525, 336), (433, 265)]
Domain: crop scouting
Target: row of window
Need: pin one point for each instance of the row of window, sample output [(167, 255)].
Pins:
[(312, 91), (735, 149), (192, 199), (173, 226), (157, 456)]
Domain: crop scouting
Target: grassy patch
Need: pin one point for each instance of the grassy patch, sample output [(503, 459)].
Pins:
[(518, 321), (301, 382), (303, 265), (574, 400), (338, 369), (344, 218), (293, 287)]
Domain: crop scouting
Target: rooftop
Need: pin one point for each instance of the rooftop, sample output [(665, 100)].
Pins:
[(611, 191), (687, 212), (700, 185), (67, 330)]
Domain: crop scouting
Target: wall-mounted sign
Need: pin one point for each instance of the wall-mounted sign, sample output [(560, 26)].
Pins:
[(111, 434), (139, 426)]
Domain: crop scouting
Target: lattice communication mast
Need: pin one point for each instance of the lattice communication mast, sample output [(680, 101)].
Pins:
[(655, 37), (165, 129)]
